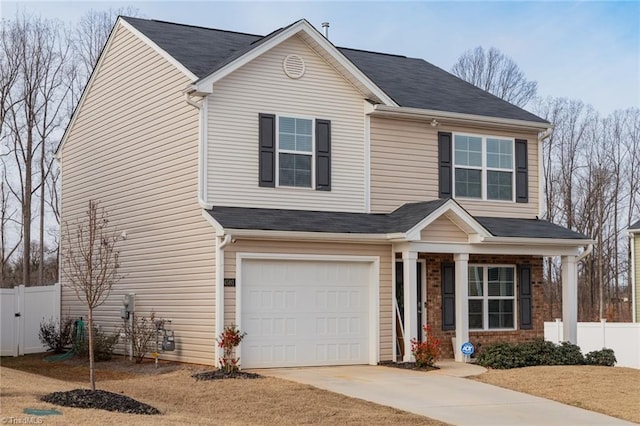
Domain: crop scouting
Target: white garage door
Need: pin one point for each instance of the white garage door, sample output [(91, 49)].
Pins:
[(304, 313)]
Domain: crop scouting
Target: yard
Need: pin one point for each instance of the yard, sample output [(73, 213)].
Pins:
[(183, 400), (607, 390)]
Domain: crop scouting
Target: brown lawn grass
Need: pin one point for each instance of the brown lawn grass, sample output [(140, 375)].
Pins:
[(182, 400), (607, 390)]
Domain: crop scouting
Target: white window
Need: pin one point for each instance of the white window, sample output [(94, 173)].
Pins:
[(295, 152), (492, 302), (484, 167)]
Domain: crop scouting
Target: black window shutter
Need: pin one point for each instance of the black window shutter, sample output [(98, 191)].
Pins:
[(448, 296), (522, 172), (445, 169), (323, 155), (267, 152), (526, 314)]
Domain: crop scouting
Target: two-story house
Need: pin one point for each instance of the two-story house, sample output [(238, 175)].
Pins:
[(328, 201)]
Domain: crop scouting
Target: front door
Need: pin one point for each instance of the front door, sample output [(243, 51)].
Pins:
[(420, 292)]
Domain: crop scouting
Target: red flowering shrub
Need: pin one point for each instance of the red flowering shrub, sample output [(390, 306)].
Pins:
[(228, 341), (428, 352)]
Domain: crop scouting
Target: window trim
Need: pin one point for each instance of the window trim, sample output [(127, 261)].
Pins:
[(485, 297), (288, 151), (483, 168)]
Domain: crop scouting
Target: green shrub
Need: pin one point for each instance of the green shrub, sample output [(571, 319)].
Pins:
[(605, 357), (103, 344), (539, 352), (502, 356), (533, 353), (56, 335), (569, 354)]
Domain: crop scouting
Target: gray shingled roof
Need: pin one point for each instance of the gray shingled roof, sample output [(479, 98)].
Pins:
[(527, 228), (635, 225), (401, 220), (409, 82)]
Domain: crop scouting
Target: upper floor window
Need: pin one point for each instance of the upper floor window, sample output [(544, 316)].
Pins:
[(491, 297), (483, 167), (295, 152)]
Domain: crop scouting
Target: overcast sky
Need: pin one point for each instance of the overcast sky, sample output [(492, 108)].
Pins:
[(583, 50)]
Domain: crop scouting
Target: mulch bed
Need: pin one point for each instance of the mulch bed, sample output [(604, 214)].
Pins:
[(221, 374), (407, 366), (85, 398)]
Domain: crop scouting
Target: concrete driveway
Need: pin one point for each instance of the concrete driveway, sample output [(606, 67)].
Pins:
[(442, 395)]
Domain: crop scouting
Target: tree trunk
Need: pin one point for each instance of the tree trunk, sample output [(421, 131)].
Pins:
[(26, 208), (92, 368)]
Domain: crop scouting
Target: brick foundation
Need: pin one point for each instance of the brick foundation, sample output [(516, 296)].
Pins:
[(482, 338)]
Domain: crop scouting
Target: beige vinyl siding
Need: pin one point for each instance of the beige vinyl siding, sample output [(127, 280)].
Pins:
[(443, 230), (261, 86), (383, 252), (404, 167), (636, 261), (134, 147)]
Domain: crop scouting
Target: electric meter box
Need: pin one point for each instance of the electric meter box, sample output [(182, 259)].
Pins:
[(129, 302), (168, 342)]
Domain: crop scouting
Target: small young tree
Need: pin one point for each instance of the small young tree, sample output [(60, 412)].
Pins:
[(90, 264)]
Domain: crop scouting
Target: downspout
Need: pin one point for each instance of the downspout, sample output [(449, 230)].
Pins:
[(633, 280), (585, 253), (202, 148), (541, 137), (221, 243)]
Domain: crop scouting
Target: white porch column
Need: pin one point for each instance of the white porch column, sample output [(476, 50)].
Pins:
[(569, 299), (410, 277), (462, 303)]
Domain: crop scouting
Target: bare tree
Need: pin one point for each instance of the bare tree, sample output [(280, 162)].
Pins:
[(498, 74), (7, 216), (90, 264), (33, 115)]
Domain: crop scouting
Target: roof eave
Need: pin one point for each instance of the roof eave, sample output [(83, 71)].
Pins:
[(574, 242), (306, 235), (457, 118)]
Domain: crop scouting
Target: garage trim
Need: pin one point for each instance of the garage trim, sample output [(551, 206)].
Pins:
[(374, 290)]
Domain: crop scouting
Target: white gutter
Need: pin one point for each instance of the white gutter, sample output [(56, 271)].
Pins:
[(634, 305), (541, 137), (202, 148), (221, 243), (585, 253), (538, 241), (428, 114), (309, 236)]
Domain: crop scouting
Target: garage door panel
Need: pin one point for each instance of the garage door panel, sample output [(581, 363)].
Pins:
[(304, 313)]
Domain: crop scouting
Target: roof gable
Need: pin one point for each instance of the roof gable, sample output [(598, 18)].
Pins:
[(393, 79)]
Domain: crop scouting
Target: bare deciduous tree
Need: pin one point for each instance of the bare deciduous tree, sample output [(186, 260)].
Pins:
[(498, 74), (90, 264)]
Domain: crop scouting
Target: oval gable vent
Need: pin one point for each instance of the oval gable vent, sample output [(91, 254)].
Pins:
[(293, 66)]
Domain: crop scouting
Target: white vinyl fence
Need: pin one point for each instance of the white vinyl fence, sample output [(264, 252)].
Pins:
[(22, 309), (622, 337)]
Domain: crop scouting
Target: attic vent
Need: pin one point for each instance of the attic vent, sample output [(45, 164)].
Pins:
[(293, 66)]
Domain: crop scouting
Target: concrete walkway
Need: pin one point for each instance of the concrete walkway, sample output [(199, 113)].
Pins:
[(443, 395)]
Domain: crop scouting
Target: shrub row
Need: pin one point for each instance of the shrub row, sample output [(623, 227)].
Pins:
[(541, 352), (59, 336)]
